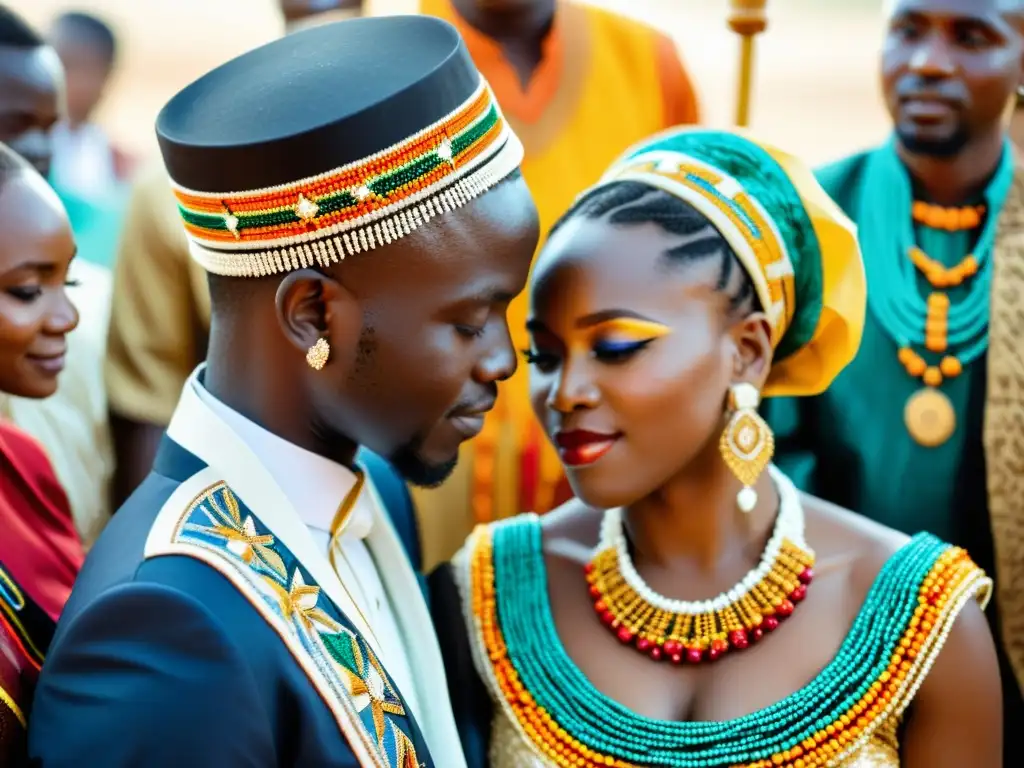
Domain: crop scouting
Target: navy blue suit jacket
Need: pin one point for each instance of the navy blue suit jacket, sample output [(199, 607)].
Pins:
[(163, 662)]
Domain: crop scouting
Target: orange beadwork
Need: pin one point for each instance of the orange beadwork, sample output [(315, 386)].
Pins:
[(285, 196), (949, 368), (941, 276), (936, 324), (538, 724), (952, 576), (301, 197), (949, 219)]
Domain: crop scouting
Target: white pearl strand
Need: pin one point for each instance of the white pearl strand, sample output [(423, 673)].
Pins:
[(789, 525)]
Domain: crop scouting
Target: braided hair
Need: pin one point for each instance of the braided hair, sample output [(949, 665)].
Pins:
[(626, 203)]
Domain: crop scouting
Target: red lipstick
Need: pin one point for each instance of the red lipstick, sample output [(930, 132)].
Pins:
[(578, 447)]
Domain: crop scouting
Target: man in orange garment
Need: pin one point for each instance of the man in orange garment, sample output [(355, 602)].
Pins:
[(579, 85)]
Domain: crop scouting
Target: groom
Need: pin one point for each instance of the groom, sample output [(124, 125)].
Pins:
[(353, 192)]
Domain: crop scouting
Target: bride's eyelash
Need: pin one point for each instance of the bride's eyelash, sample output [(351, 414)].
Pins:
[(612, 351)]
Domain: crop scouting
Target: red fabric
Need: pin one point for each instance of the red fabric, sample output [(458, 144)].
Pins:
[(38, 542)]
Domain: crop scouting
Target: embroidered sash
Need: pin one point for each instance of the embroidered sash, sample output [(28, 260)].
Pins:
[(218, 529)]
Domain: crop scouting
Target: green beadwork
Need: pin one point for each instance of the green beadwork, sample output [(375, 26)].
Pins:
[(898, 295), (560, 687), (382, 186)]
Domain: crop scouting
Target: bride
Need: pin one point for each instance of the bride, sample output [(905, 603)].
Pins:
[(689, 608)]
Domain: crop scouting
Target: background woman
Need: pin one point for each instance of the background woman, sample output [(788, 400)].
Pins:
[(40, 553), (690, 608)]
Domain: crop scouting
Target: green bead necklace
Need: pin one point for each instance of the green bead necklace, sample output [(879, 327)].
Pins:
[(561, 688)]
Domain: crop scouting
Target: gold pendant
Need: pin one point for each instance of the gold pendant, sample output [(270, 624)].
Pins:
[(930, 417)]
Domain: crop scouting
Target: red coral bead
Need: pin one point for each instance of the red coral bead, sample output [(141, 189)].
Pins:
[(738, 639), (600, 606), (655, 653), (643, 644), (595, 593), (714, 654), (694, 655), (588, 568), (769, 624), (625, 635), (676, 658), (807, 575), (785, 609), (672, 647), (799, 593), (607, 618), (756, 634)]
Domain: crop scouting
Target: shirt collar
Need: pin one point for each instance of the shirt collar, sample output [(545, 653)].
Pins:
[(316, 486)]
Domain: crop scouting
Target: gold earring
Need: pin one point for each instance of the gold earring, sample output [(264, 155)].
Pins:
[(747, 444), (316, 356)]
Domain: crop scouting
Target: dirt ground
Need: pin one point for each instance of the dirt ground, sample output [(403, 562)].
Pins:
[(815, 87)]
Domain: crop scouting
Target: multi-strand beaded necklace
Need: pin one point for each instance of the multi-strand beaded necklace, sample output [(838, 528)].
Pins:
[(935, 309), (679, 630), (567, 722)]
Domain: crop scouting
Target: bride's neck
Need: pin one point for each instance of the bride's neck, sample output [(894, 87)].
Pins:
[(694, 517)]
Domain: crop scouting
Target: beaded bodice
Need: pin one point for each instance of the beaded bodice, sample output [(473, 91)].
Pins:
[(549, 714)]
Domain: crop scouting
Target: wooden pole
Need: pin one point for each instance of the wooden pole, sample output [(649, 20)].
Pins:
[(747, 18)]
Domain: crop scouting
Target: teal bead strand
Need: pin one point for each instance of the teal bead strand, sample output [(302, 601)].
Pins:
[(607, 727)]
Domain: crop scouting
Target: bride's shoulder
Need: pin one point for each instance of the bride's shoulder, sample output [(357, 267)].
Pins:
[(840, 536), (850, 542)]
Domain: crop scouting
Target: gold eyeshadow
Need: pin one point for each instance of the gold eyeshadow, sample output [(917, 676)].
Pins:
[(627, 329)]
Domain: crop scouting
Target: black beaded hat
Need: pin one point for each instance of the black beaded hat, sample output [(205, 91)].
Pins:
[(331, 141)]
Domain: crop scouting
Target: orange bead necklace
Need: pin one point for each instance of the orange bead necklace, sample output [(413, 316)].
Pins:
[(949, 219)]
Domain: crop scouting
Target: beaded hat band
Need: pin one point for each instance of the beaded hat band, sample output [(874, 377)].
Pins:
[(357, 207), (744, 223)]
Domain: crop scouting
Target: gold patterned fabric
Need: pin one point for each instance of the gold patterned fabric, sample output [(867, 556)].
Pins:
[(509, 750), (1004, 420)]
